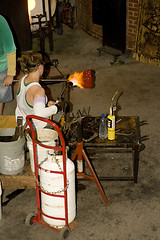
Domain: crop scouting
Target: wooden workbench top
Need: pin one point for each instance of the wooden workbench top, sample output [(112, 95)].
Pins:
[(23, 180)]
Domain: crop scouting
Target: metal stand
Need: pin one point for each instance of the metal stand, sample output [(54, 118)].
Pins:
[(80, 154), (43, 32), (128, 140)]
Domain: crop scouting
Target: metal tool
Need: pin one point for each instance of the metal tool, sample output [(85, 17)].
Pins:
[(48, 80), (114, 100)]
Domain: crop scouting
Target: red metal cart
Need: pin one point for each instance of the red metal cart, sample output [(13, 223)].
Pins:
[(64, 232)]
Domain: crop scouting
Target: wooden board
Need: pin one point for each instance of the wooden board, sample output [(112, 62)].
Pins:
[(24, 180), (8, 121)]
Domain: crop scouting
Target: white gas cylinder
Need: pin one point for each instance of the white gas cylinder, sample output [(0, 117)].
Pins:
[(53, 183), (45, 136)]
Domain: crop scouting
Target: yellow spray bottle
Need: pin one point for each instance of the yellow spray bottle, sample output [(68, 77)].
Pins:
[(111, 125)]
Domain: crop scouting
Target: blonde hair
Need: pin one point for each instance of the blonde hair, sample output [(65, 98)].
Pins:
[(29, 61)]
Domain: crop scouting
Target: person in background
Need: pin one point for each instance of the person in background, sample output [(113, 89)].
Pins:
[(31, 98), (7, 63)]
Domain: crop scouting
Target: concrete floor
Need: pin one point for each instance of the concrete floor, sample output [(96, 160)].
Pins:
[(133, 211)]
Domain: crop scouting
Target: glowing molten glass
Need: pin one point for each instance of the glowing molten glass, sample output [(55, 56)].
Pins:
[(31, 6), (82, 80)]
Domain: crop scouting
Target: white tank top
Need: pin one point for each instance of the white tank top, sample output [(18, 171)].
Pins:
[(23, 108)]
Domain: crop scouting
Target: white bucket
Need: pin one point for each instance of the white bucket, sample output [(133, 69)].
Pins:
[(54, 184), (12, 157), (45, 136)]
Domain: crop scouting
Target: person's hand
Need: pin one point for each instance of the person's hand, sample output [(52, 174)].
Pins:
[(50, 103), (8, 80)]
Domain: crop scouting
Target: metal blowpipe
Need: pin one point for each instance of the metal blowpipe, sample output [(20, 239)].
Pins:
[(48, 80)]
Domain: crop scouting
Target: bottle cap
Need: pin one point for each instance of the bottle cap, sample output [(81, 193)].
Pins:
[(103, 115)]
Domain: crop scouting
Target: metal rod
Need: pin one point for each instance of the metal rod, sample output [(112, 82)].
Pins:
[(59, 97), (48, 80), (49, 8), (44, 8)]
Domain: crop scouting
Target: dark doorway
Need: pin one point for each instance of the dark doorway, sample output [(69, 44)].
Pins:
[(111, 14)]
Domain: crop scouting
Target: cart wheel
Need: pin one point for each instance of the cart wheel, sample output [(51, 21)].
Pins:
[(29, 219), (64, 233)]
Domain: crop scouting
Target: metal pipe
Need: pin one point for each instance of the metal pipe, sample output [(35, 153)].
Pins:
[(48, 80)]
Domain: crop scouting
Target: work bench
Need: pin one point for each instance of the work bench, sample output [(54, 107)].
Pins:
[(128, 140)]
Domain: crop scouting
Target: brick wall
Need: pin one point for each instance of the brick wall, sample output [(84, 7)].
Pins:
[(131, 23), (84, 19)]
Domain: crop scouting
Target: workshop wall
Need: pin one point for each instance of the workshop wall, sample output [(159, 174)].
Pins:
[(84, 18), (136, 25), (148, 32)]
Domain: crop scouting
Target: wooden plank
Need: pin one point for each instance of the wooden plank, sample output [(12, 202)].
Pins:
[(8, 121), (24, 180)]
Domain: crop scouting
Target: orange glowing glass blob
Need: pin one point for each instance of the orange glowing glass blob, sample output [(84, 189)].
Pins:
[(82, 80), (31, 6)]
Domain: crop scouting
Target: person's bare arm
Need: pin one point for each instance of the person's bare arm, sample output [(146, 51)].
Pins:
[(37, 96), (33, 93)]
